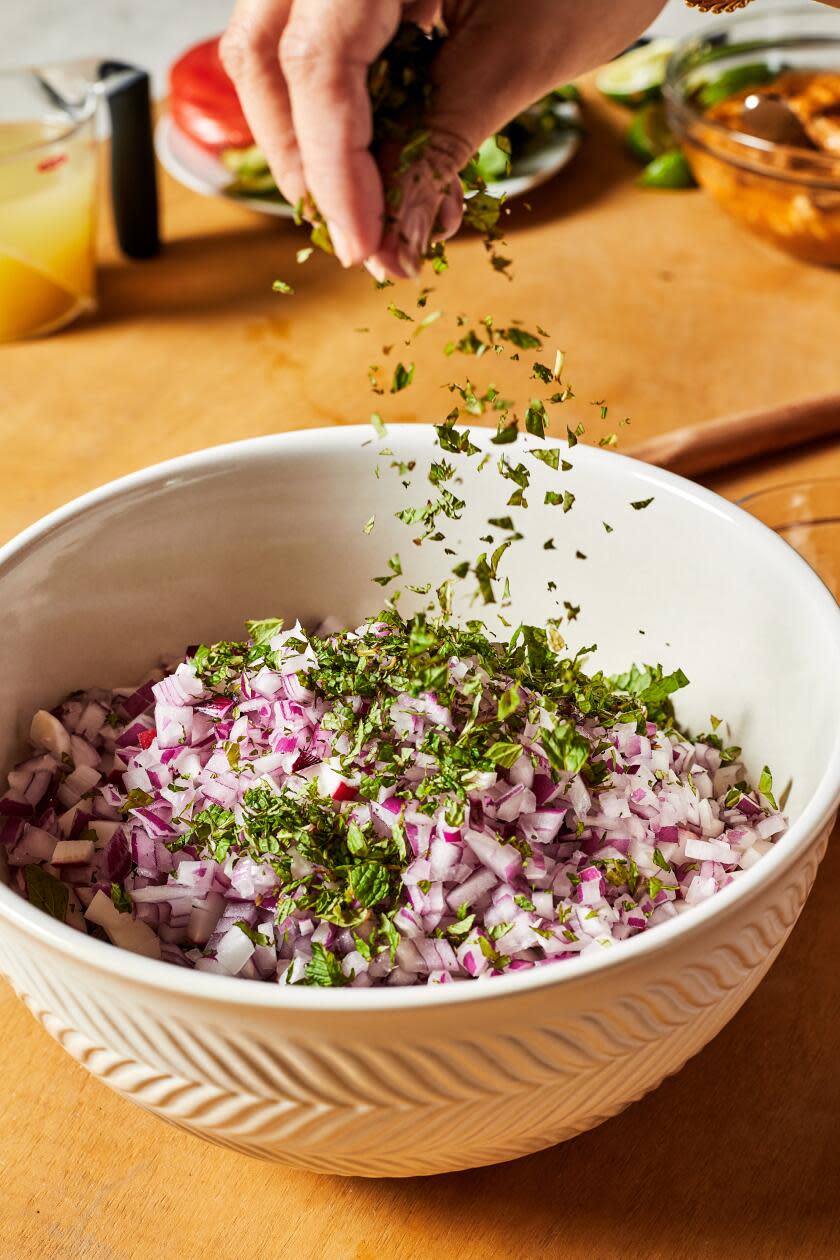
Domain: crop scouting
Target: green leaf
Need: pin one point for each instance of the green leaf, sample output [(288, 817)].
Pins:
[(137, 799), (367, 528), (659, 688), (370, 882), (262, 631), (765, 786), (565, 749), (427, 321), (392, 936), (549, 456), (499, 961), (403, 376), (461, 927), (324, 969), (121, 899), (394, 310), (506, 432), (509, 702), (254, 935), (535, 419), (356, 842), (280, 286), (504, 753), (46, 893), (640, 504), (378, 425), (520, 338), (661, 861)]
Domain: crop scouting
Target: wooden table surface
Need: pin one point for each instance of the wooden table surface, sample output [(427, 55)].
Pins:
[(666, 310)]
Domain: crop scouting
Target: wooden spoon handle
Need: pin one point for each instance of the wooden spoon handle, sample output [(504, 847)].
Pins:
[(718, 443)]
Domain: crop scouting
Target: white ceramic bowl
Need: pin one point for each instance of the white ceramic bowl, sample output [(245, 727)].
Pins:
[(398, 1082)]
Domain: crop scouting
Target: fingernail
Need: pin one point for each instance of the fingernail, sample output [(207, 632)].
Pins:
[(451, 211), (341, 245), (415, 229), (376, 270), (409, 262)]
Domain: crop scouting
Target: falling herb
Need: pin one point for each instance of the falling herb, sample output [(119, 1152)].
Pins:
[(403, 376)]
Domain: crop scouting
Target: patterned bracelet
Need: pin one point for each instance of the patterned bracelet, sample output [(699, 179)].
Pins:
[(717, 6)]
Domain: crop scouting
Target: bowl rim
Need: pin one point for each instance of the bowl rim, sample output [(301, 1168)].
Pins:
[(818, 168), (157, 974)]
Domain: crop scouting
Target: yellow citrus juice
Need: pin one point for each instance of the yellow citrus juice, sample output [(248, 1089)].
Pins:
[(47, 208)]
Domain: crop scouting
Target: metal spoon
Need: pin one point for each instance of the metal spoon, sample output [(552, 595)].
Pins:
[(770, 118)]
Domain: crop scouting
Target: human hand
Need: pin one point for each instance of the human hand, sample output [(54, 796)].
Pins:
[(300, 68)]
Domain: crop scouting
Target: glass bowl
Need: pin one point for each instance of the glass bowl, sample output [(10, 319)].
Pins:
[(807, 515), (789, 195)]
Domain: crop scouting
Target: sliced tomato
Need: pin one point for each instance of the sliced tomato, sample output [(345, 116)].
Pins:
[(203, 101)]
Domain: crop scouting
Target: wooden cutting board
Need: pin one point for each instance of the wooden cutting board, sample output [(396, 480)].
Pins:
[(669, 312)]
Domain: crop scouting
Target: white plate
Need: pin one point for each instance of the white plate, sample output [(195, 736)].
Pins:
[(199, 170)]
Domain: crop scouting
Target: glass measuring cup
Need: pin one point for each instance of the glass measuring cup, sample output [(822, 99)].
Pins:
[(807, 515), (48, 177)]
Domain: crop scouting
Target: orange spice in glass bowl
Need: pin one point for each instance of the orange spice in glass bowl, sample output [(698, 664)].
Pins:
[(756, 107)]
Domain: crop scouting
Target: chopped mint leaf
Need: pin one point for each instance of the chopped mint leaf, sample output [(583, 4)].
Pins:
[(504, 753), (642, 503), (402, 378), (509, 702), (378, 424), (370, 883), (137, 799), (765, 786), (535, 419), (392, 936), (121, 899), (565, 749), (254, 936), (323, 969), (46, 893), (263, 631)]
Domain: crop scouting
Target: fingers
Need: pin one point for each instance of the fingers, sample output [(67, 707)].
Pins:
[(514, 58), (325, 51), (429, 205), (249, 50)]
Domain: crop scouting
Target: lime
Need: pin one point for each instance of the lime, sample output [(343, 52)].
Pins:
[(668, 170), (649, 135), (637, 75), (754, 74)]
